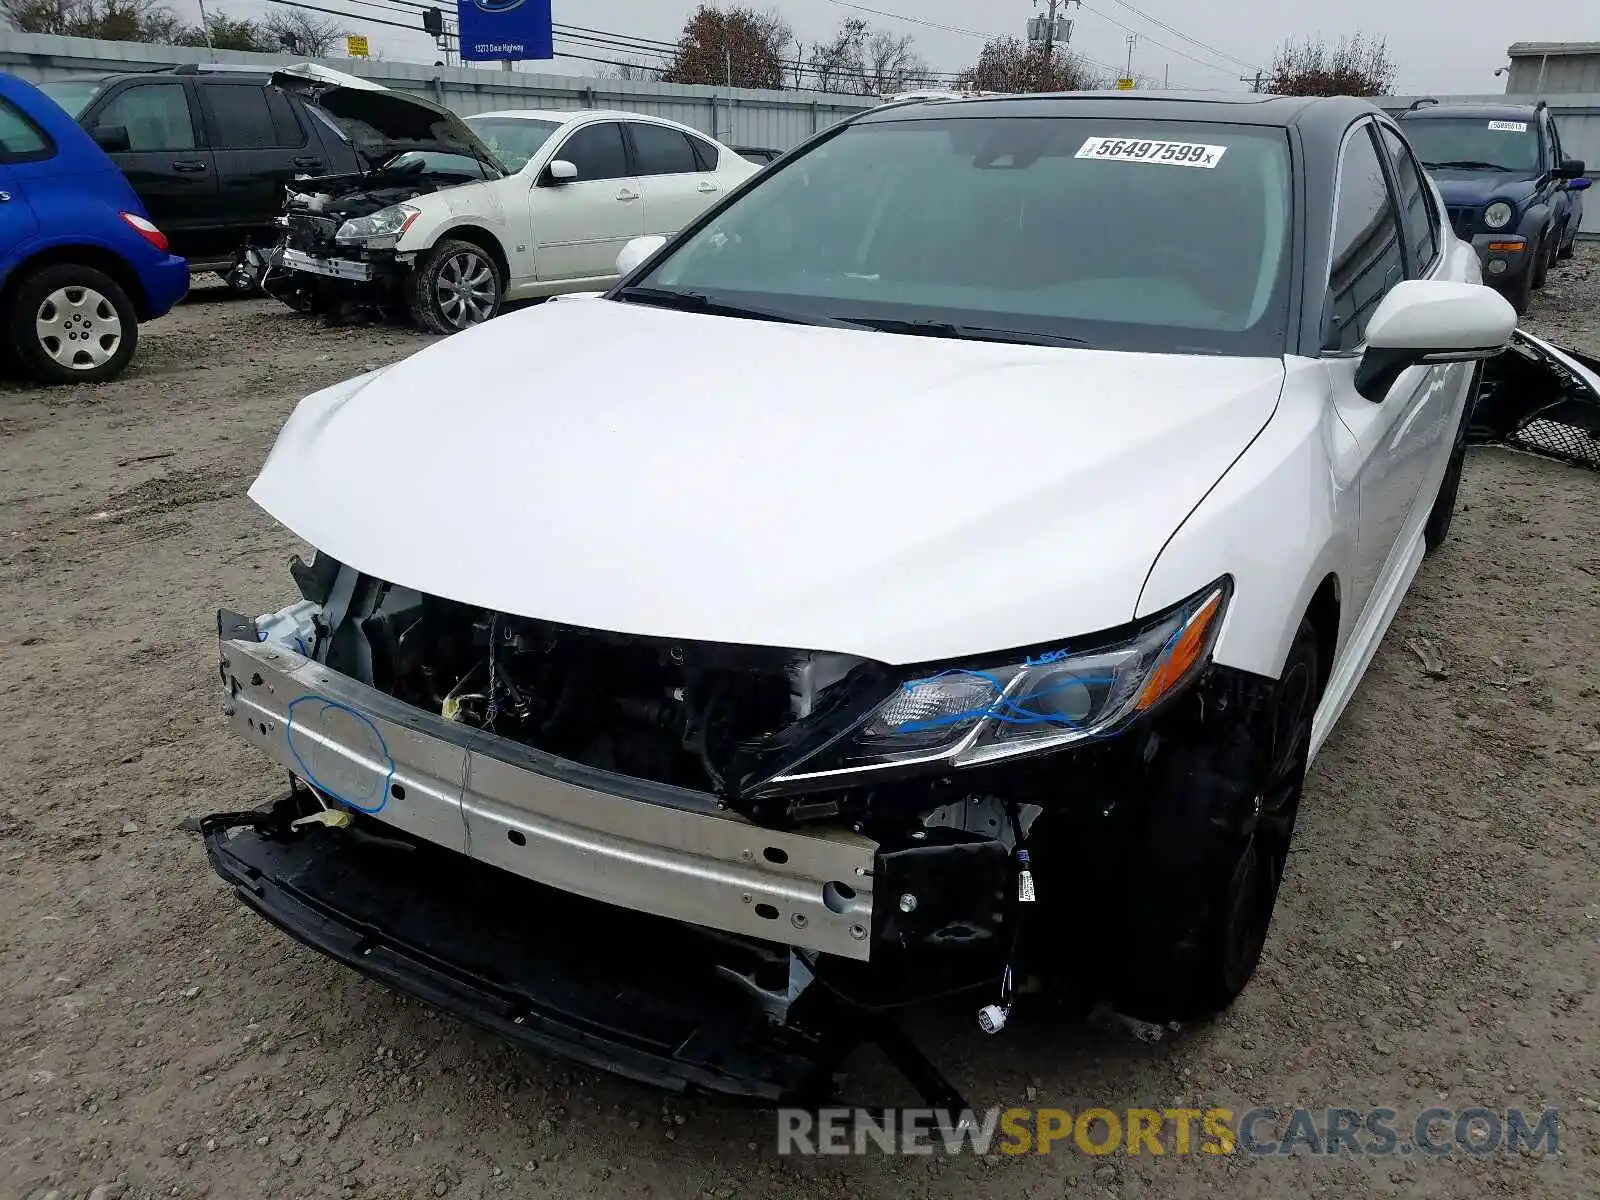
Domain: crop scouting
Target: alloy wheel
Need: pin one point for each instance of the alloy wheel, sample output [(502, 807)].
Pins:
[(1283, 741), (465, 289), (78, 327)]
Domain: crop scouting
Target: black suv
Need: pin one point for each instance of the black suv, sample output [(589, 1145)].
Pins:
[(208, 150), (1510, 189)]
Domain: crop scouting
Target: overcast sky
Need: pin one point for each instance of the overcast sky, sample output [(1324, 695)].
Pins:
[(1444, 46)]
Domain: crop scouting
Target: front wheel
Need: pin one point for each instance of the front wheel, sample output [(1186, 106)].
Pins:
[(1205, 877), (456, 286), (1444, 503), (1543, 255), (73, 324)]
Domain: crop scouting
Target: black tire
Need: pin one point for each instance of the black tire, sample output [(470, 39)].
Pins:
[(72, 324), (1443, 511), (1543, 253), (1568, 250), (1205, 879), (456, 286), (1521, 293)]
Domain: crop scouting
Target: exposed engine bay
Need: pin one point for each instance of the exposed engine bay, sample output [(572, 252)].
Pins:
[(692, 715)]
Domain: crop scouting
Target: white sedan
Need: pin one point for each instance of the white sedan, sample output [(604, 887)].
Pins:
[(552, 198), (987, 638)]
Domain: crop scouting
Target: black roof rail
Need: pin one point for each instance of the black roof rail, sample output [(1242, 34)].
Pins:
[(1419, 102)]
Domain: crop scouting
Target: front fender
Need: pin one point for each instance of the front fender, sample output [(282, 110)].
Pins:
[(1280, 521), (1533, 221)]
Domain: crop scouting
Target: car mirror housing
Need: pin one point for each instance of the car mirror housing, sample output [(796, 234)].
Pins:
[(113, 139), (1571, 168), (560, 171), (1424, 322), (636, 251)]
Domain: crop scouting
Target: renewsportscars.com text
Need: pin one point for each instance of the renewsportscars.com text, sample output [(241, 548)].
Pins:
[(1432, 1132)]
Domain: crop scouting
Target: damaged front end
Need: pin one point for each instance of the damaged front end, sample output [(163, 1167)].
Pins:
[(702, 865), (1543, 399), (341, 232)]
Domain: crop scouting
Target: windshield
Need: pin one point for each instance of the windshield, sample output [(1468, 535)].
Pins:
[(1124, 234), (1474, 143), (73, 95), (514, 140)]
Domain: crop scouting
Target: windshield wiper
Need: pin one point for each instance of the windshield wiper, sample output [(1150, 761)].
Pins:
[(702, 303), (1466, 164), (971, 333)]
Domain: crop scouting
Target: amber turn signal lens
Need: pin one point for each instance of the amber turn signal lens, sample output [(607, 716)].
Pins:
[(1184, 651)]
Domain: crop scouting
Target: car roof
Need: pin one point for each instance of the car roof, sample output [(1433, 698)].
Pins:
[(1240, 108), (1427, 111)]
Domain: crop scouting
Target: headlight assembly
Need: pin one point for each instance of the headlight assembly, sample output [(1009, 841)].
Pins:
[(965, 715), (379, 229), (1497, 215)]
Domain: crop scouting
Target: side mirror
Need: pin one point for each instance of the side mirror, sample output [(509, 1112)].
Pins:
[(1422, 322), (113, 139), (559, 171), (636, 251), (1579, 185), (1570, 168)]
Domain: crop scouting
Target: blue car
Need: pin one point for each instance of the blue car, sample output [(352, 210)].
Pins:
[(81, 263), (1509, 187)]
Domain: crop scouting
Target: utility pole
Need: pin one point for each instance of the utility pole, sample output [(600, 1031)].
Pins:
[(1048, 60), (1255, 83), (1133, 40)]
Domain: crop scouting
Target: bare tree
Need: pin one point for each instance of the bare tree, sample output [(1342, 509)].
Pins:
[(303, 32), (830, 65), (736, 45), (1011, 65), (630, 70), (864, 61), (1357, 66), (111, 20), (227, 33)]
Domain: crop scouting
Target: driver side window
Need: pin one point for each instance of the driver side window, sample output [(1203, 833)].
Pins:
[(1366, 260), (597, 151)]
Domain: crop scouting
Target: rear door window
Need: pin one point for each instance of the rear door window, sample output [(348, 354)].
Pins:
[(661, 151), (1418, 219), (241, 118), (20, 139)]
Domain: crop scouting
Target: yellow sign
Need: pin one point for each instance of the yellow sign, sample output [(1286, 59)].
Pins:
[(355, 45), (1124, 84)]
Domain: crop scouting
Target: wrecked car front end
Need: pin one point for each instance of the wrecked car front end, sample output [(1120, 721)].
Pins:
[(767, 850), (342, 232)]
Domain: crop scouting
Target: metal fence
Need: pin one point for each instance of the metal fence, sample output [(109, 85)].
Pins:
[(1577, 119), (736, 116)]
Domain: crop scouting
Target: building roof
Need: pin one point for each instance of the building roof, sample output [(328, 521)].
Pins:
[(1540, 49)]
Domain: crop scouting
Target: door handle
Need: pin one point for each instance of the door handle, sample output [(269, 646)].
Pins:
[(309, 163), (188, 164), (709, 187), (627, 194)]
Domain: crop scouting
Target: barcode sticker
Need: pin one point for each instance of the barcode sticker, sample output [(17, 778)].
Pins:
[(1509, 126), (1142, 150)]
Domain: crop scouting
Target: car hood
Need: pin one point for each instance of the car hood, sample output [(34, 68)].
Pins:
[(1481, 187), (708, 478), (380, 123)]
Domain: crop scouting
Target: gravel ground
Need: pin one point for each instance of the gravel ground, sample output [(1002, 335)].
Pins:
[(1435, 942)]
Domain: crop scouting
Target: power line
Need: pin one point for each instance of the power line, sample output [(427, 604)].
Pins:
[(1178, 33)]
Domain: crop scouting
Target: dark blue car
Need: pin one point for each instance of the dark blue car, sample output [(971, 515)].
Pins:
[(81, 264), (1510, 188)]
